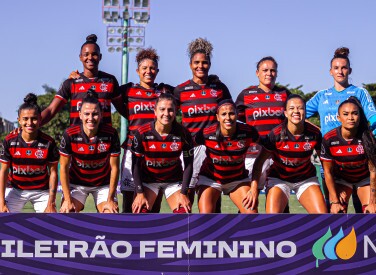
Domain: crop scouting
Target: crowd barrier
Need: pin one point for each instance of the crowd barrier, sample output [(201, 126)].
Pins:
[(187, 243)]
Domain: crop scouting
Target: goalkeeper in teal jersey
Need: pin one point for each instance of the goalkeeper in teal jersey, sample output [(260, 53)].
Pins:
[(326, 102)]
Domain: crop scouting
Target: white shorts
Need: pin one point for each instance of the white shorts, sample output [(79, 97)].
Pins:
[(80, 193), (168, 188), (287, 187), (16, 199), (199, 157), (249, 162), (126, 179), (361, 183), (225, 188)]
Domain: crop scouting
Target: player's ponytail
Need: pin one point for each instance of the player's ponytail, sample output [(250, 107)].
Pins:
[(30, 102), (92, 97)]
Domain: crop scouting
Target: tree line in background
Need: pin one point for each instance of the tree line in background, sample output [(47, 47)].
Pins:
[(60, 122)]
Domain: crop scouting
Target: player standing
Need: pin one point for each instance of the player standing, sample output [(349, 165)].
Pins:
[(30, 158), (89, 160), (157, 147)]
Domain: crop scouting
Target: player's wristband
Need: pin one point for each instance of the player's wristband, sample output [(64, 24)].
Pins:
[(334, 202)]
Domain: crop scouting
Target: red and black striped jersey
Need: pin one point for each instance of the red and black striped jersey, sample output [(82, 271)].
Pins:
[(161, 155), (198, 103), (262, 110), (292, 154), (140, 103), (28, 162), (90, 158), (225, 156), (348, 157), (75, 90)]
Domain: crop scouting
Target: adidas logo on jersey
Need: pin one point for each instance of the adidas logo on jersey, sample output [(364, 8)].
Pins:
[(193, 95), (81, 149), (17, 153), (256, 98), (339, 151), (326, 102), (286, 147), (152, 146), (139, 93), (81, 88)]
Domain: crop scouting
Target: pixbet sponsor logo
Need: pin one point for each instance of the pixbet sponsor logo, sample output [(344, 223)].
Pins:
[(330, 118), (266, 112), (161, 163), (143, 107), (28, 171), (201, 110), (90, 164)]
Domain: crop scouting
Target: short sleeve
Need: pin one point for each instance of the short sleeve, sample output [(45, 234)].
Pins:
[(137, 147), (53, 152), (325, 151), (115, 144), (269, 142), (65, 145), (64, 93), (5, 156)]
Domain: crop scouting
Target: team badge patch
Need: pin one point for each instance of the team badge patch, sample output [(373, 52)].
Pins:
[(322, 149), (102, 147), (93, 87), (174, 146), (267, 97), (91, 147), (164, 145), (63, 143), (103, 87), (229, 144), (278, 97), (28, 152), (241, 144), (307, 146), (149, 93), (360, 149), (213, 93), (39, 154), (349, 149), (296, 146), (203, 92)]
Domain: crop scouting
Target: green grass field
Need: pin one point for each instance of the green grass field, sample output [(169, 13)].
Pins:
[(227, 205)]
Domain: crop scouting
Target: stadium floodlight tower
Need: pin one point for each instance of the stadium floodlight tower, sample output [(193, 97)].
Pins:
[(126, 21)]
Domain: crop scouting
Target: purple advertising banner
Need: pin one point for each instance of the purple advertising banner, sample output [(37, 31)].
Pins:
[(195, 243)]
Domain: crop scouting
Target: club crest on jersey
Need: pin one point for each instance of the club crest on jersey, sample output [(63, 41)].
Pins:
[(102, 147), (213, 93), (267, 97), (338, 101), (91, 147), (360, 149), (241, 144), (103, 87), (164, 145), (174, 146), (39, 154), (307, 146), (278, 97), (28, 152), (203, 92)]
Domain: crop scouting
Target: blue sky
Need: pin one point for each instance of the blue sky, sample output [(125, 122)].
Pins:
[(41, 39)]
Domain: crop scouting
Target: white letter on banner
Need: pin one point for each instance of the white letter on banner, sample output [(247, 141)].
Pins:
[(100, 248), (246, 253), (222, 245), (287, 254), (182, 245), (8, 248), (259, 245), (43, 246), (78, 247), (368, 241), (20, 252), (164, 247), (209, 253), (115, 252), (144, 247), (60, 249)]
